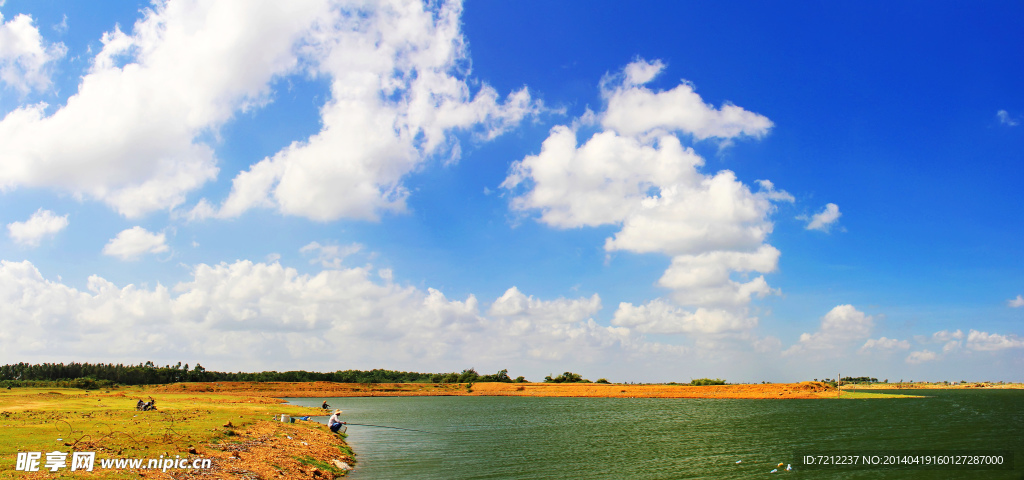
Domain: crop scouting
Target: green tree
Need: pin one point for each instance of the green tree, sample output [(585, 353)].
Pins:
[(567, 377)]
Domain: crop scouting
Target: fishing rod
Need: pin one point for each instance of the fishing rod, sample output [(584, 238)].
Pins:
[(385, 426)]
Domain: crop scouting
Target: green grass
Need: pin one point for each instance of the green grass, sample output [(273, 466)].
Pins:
[(47, 419), (347, 450), (324, 466), (866, 395)]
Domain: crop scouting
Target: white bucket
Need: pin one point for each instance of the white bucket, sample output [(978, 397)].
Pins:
[(286, 418)]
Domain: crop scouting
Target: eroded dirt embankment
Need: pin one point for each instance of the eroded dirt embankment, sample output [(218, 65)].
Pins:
[(275, 450)]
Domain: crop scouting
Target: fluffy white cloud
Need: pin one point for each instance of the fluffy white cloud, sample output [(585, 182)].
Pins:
[(634, 109), (984, 341), (514, 304), (41, 224), (134, 242), (946, 336), (25, 58), (398, 94), (705, 279), (658, 316), (825, 219), (330, 256), (1016, 302), (921, 356), (884, 343), (1005, 118), (952, 340), (130, 135), (637, 174), (256, 315), (951, 346), (840, 326)]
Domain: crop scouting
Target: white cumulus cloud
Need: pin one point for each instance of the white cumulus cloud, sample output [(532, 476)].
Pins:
[(638, 175), (41, 224), (839, 327), (921, 356), (134, 242), (634, 109), (946, 336), (705, 279), (984, 341), (130, 135), (251, 316), (657, 316), (25, 58), (825, 219), (1016, 302), (514, 304), (399, 93)]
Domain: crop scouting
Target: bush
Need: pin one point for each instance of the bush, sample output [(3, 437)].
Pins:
[(567, 377), (707, 381)]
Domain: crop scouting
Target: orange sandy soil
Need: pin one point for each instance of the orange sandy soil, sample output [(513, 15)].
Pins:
[(329, 389), (268, 450)]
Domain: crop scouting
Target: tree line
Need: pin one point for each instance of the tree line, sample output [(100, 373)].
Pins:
[(103, 375), (860, 380), (100, 375)]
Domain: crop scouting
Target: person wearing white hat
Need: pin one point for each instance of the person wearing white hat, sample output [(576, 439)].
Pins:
[(334, 423)]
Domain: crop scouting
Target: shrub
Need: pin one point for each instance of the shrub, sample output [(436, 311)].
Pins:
[(707, 381)]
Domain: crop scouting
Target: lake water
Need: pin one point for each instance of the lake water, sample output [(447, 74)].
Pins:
[(646, 438)]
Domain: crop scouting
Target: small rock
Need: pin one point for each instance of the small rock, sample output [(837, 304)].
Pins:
[(193, 450), (228, 425), (342, 465)]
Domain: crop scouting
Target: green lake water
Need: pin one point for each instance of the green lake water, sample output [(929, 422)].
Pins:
[(614, 438)]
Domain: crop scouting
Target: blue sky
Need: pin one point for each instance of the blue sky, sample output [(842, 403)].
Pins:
[(643, 192)]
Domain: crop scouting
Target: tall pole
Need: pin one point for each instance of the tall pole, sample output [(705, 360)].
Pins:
[(839, 385)]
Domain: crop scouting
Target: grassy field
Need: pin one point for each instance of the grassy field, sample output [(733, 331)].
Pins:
[(848, 395), (106, 422)]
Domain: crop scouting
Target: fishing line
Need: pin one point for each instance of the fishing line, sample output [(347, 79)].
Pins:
[(385, 426)]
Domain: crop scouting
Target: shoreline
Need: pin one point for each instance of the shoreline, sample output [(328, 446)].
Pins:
[(774, 391)]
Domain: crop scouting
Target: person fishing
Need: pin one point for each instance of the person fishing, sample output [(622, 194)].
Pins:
[(325, 406), (334, 423)]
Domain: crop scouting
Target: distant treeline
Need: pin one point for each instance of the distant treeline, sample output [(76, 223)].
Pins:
[(860, 380), (100, 375), (707, 381)]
